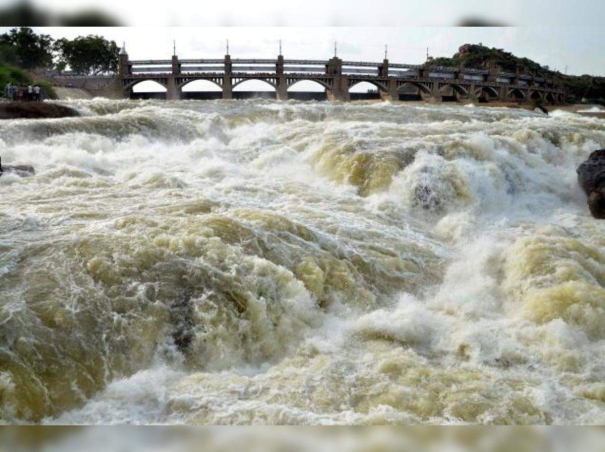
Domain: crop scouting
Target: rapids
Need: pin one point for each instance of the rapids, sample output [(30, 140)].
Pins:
[(238, 262)]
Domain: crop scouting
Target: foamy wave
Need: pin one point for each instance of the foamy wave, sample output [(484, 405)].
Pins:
[(309, 263)]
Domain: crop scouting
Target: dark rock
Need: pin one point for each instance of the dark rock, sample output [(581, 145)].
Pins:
[(181, 318), (35, 110), (21, 170), (591, 176), (425, 197)]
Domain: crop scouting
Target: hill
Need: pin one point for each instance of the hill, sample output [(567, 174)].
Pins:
[(584, 88)]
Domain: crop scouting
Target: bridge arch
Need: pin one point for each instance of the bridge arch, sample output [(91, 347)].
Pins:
[(456, 88), (491, 91), (423, 88), (204, 81), (378, 85), (536, 95), (306, 90), (130, 86), (308, 86), (320, 82), (261, 79), (550, 97), (516, 93)]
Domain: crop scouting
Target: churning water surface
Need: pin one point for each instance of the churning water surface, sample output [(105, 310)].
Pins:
[(223, 262)]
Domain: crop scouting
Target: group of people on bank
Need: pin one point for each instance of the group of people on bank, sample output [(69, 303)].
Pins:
[(22, 93)]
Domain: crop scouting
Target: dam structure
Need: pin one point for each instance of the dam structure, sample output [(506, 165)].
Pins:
[(392, 81)]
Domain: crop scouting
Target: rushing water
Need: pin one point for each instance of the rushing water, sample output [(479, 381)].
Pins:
[(307, 263)]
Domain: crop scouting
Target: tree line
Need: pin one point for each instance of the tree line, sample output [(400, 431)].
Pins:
[(84, 55)]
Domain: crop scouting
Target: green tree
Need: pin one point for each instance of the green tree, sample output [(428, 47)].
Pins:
[(88, 55), (8, 55), (26, 49)]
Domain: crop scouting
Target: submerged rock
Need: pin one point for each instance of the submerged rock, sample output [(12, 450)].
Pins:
[(35, 110), (425, 196), (591, 176), (21, 170)]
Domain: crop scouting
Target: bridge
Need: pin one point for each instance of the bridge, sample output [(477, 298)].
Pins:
[(393, 82)]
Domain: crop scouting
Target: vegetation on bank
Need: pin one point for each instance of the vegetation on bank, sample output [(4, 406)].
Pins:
[(19, 77), (28, 58), (88, 55), (84, 55), (584, 88)]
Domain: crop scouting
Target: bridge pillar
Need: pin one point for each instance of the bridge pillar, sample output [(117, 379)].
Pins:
[(282, 84), (492, 77), (436, 96), (392, 94), (340, 89), (279, 65), (282, 88), (172, 91), (334, 67), (124, 66), (383, 69), (176, 66), (503, 94), (227, 86), (472, 93)]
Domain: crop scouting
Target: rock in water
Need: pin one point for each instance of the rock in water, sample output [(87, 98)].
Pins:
[(591, 176), (20, 170), (35, 110)]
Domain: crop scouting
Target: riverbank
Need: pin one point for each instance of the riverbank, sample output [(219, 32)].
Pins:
[(35, 110)]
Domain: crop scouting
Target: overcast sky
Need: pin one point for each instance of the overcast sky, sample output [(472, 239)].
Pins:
[(581, 49), (340, 12), (563, 34)]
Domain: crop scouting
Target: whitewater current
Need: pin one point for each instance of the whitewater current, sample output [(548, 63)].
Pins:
[(262, 262)]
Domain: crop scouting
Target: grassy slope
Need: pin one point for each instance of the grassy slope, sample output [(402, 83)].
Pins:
[(20, 77)]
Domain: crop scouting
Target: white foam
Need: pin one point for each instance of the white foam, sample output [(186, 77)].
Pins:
[(314, 302), (595, 109)]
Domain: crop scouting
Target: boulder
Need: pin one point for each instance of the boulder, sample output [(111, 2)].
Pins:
[(425, 197), (21, 170), (35, 110), (591, 176)]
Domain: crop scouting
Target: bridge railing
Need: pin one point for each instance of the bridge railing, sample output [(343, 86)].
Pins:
[(236, 61), (70, 75), (149, 62)]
